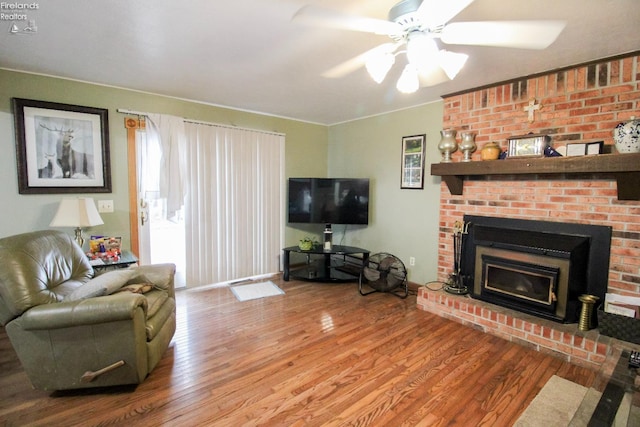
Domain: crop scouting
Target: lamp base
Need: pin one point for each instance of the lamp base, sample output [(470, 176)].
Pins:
[(79, 238)]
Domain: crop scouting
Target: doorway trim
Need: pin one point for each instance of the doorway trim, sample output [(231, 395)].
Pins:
[(133, 125)]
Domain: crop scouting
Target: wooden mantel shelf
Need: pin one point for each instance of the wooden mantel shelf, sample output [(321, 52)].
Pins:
[(625, 168)]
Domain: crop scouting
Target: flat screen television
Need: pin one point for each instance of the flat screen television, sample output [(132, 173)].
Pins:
[(329, 200)]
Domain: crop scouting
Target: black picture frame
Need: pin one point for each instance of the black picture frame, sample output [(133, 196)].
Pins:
[(61, 148), (413, 150)]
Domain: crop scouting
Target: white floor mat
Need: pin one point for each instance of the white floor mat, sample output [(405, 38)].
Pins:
[(256, 290)]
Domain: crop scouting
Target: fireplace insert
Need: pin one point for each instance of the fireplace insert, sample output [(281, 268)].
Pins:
[(537, 267)]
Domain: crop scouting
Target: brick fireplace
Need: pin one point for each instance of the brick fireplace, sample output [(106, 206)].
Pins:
[(582, 103)]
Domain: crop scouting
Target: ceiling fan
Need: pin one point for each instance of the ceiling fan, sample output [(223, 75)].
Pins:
[(415, 25)]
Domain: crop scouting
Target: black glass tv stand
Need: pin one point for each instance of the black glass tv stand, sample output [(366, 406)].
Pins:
[(340, 264)]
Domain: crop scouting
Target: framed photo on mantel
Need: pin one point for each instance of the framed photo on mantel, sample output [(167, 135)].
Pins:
[(61, 148), (413, 149), (531, 145)]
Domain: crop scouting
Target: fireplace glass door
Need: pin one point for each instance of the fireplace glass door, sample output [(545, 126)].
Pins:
[(528, 282), (533, 283)]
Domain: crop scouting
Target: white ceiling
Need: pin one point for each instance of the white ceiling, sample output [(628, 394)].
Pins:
[(249, 55)]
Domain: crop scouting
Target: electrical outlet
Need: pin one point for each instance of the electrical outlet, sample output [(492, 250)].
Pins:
[(105, 206), (412, 261)]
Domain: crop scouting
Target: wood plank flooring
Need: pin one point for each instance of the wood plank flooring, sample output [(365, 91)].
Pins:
[(320, 355)]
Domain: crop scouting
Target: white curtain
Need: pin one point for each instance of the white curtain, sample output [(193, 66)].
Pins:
[(170, 131), (234, 204)]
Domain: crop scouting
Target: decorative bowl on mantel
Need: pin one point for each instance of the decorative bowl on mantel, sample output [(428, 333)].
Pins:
[(490, 151), (627, 136)]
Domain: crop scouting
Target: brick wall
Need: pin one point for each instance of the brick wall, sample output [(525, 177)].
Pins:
[(581, 104), (577, 104)]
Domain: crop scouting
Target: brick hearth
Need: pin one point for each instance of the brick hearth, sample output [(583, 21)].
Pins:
[(578, 104), (561, 340)]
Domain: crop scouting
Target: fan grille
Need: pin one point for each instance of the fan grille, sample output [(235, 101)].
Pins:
[(384, 272)]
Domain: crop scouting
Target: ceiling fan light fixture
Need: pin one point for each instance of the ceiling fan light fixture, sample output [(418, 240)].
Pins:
[(408, 81), (452, 62), (416, 24), (379, 65), (421, 49)]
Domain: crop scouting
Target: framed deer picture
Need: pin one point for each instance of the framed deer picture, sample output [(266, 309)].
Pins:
[(61, 148)]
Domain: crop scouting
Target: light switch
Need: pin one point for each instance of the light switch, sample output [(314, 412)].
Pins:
[(105, 206)]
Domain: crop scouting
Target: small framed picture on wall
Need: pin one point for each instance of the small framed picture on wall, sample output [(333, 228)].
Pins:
[(413, 149)]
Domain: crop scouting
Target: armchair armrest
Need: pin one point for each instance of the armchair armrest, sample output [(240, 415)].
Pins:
[(119, 306), (161, 275)]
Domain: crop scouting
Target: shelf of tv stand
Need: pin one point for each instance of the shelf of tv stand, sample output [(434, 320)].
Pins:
[(340, 264), (625, 168)]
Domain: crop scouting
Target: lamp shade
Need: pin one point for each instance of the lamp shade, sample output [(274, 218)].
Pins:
[(422, 50), (76, 212), (452, 62), (379, 65), (408, 81)]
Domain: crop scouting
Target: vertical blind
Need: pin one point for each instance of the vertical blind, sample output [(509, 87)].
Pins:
[(234, 203)]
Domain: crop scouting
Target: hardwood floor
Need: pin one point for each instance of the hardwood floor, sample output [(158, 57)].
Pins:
[(319, 355)]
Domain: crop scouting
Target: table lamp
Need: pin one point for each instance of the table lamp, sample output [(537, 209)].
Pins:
[(77, 212)]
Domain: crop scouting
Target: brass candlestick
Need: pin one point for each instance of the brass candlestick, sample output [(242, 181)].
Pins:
[(586, 314)]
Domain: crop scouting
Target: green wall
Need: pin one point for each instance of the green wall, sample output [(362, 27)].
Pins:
[(306, 145), (403, 222)]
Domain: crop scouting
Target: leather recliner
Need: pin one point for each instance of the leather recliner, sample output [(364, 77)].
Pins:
[(73, 330)]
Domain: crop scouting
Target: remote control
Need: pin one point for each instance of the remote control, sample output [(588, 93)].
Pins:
[(634, 359)]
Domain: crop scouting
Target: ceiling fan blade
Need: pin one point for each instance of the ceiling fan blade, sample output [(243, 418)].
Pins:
[(437, 12), (350, 65), (517, 34), (317, 16)]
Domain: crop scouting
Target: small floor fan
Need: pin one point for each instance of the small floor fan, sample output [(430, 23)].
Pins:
[(384, 272)]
